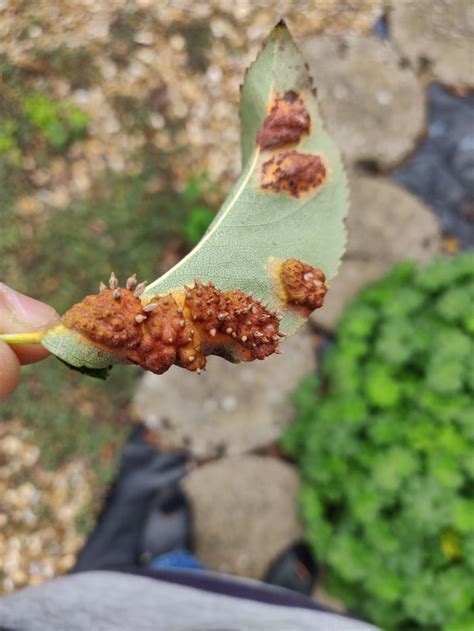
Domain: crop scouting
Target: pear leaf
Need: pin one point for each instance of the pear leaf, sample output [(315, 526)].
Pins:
[(289, 202), (255, 224)]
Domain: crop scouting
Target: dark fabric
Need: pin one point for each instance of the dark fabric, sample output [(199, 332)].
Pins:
[(228, 586), (441, 171), (143, 472)]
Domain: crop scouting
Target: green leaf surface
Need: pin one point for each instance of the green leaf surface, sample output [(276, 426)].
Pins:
[(78, 353), (255, 226)]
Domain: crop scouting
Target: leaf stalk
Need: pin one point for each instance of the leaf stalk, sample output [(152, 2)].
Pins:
[(22, 338)]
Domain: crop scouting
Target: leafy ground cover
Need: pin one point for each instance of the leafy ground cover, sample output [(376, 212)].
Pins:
[(384, 441)]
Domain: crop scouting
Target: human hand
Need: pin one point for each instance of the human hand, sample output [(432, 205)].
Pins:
[(20, 313)]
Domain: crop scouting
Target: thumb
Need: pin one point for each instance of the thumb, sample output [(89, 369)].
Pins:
[(20, 313)]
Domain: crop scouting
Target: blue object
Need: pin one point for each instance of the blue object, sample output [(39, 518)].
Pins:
[(381, 28), (176, 559)]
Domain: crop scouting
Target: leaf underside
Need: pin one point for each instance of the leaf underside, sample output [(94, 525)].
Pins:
[(254, 225), (97, 373)]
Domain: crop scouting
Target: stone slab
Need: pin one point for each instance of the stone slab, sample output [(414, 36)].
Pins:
[(352, 276), (229, 409), (373, 107), (386, 224), (436, 36), (245, 513)]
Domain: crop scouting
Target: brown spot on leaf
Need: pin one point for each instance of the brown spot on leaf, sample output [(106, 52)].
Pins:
[(152, 340), (286, 122), (231, 323), (106, 321), (302, 285), (180, 328), (294, 173)]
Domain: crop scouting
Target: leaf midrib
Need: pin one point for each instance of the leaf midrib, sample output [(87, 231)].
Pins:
[(208, 234)]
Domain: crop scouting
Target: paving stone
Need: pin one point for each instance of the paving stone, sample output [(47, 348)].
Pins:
[(227, 409), (245, 513), (374, 107), (437, 32), (352, 276), (323, 598), (386, 224)]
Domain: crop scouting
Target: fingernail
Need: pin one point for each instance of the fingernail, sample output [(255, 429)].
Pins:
[(18, 310)]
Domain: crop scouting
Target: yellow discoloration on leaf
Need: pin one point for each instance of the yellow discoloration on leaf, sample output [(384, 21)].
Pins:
[(299, 286)]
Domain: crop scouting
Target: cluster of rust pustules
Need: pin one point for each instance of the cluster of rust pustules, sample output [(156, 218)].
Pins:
[(181, 328), (186, 325)]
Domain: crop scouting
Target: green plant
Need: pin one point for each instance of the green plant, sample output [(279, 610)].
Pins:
[(59, 121), (199, 216), (384, 439), (8, 143), (197, 222)]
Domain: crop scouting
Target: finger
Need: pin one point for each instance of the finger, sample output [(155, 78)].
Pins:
[(9, 370), (20, 313), (29, 353)]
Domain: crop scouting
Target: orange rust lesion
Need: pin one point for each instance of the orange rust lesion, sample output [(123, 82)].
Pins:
[(300, 286), (232, 324), (153, 339), (294, 173), (106, 321), (287, 121), (180, 328)]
